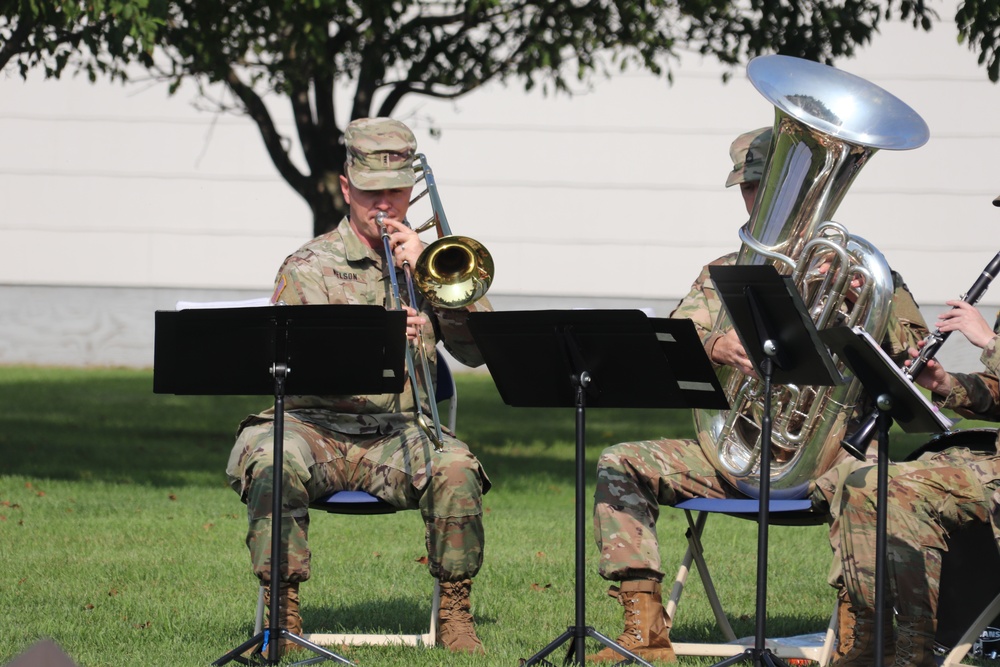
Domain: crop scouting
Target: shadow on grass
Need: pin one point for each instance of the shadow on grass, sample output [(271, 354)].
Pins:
[(745, 626), (390, 615), (108, 425)]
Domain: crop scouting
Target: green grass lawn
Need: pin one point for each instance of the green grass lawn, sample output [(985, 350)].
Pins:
[(120, 540)]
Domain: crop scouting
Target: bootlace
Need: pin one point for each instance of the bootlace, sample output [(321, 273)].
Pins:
[(906, 649), (633, 628), (455, 602)]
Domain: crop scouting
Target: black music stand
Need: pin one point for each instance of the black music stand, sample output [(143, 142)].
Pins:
[(254, 351), (897, 399), (593, 358), (782, 342)]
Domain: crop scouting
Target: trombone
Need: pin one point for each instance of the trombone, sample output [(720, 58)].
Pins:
[(452, 272)]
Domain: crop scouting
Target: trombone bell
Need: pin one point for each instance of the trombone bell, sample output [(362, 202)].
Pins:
[(454, 271)]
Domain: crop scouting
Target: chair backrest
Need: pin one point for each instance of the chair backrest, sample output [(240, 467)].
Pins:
[(445, 383), (976, 439)]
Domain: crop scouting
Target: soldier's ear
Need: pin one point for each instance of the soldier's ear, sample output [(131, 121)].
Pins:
[(345, 189)]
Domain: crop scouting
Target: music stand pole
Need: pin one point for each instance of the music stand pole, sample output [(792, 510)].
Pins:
[(760, 654), (897, 400), (275, 631), (884, 404), (578, 634), (764, 510), (579, 637), (270, 638), (584, 359), (781, 339)]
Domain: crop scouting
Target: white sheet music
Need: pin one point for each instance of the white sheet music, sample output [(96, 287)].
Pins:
[(244, 303)]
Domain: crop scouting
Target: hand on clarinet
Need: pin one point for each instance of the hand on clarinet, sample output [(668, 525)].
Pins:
[(965, 318), (933, 376)]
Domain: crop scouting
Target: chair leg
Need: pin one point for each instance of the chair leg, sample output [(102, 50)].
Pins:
[(826, 651), (435, 610), (695, 529), (258, 625), (964, 644), (427, 639), (682, 573), (695, 554)]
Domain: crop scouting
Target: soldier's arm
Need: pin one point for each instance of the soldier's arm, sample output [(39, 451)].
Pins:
[(298, 284), (906, 324), (696, 306), (977, 395), (452, 327)]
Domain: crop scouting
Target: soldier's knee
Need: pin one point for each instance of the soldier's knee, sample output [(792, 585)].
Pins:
[(611, 459), (857, 496), (461, 471), (457, 463)]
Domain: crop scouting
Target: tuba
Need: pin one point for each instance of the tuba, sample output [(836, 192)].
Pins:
[(828, 124)]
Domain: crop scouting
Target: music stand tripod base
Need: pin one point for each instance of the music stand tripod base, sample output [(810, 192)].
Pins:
[(897, 399), (577, 634), (782, 341), (250, 351), (270, 638), (586, 359)]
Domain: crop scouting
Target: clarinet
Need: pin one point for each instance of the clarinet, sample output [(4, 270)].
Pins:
[(858, 441)]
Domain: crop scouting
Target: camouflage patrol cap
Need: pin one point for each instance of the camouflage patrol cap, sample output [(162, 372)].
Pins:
[(380, 154), (748, 153)]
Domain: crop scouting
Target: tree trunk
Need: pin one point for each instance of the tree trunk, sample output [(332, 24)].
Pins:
[(327, 205)]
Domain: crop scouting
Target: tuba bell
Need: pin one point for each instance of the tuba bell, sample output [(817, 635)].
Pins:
[(828, 124)]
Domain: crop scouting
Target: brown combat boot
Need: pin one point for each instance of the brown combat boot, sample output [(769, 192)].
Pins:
[(456, 630), (288, 613), (647, 626), (915, 641), (856, 635)]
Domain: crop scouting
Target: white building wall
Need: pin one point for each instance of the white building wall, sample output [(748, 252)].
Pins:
[(614, 196)]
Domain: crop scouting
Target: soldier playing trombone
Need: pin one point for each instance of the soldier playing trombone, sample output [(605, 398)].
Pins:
[(369, 443)]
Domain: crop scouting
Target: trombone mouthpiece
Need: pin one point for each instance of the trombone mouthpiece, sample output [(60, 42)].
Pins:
[(383, 230)]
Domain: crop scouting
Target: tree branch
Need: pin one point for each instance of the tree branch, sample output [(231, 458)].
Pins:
[(305, 125), (269, 133), (328, 133), (370, 75)]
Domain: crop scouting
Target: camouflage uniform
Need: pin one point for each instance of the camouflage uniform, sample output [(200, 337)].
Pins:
[(370, 442), (635, 478), (925, 501)]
